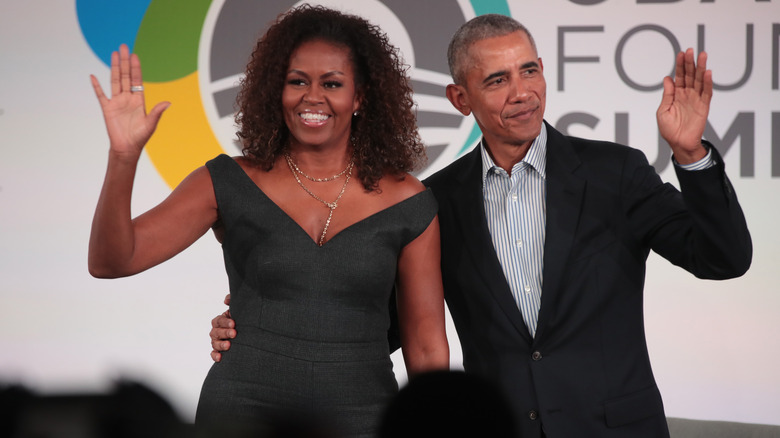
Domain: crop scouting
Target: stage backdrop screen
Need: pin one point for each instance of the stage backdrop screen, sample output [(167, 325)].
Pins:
[(714, 346)]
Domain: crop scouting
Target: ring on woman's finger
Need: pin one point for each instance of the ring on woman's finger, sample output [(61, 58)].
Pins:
[(136, 88)]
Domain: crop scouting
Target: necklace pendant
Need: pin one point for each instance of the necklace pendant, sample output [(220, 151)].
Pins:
[(331, 205)]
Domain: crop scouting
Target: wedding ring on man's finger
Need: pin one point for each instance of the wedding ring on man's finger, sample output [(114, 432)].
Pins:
[(136, 88)]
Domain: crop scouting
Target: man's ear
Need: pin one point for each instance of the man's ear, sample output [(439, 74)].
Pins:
[(457, 97)]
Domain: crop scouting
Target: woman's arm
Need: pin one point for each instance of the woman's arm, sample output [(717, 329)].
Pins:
[(120, 246), (421, 304)]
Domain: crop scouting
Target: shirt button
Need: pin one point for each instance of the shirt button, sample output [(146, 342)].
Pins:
[(533, 415), (514, 197), (519, 243), (528, 289), (536, 355)]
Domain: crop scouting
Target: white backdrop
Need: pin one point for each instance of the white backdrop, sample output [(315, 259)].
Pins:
[(715, 346)]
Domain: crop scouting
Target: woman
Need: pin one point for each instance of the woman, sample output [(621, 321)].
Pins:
[(318, 220)]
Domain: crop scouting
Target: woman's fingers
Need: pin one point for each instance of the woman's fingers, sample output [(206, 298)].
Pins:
[(116, 86), (101, 96), (124, 68)]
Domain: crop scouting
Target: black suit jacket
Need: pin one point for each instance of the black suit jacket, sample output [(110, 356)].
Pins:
[(586, 373)]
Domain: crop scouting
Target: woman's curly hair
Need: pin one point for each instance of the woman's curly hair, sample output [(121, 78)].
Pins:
[(384, 134)]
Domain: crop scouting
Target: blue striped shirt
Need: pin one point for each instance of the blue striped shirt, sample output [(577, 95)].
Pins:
[(515, 206), (516, 212)]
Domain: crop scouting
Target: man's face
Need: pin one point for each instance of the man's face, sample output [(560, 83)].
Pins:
[(504, 88)]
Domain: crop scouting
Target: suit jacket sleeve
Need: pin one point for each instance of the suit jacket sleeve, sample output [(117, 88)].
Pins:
[(703, 231)]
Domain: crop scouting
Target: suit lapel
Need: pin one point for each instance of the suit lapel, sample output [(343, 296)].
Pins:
[(565, 191), (470, 211)]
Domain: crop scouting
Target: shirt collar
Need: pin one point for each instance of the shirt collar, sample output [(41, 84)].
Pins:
[(536, 156)]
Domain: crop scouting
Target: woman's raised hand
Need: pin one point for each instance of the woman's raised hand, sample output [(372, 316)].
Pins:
[(128, 125)]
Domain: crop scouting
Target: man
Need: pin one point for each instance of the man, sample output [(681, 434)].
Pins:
[(545, 239)]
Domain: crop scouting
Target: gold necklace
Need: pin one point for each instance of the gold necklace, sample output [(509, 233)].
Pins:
[(331, 205), (311, 178)]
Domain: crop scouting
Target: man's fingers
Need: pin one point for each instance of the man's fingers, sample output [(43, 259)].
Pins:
[(690, 69), (218, 333), (706, 93), (679, 70), (220, 345), (219, 337), (223, 321), (668, 95), (701, 68), (216, 356)]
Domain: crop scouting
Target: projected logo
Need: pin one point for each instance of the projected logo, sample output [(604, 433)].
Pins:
[(194, 53)]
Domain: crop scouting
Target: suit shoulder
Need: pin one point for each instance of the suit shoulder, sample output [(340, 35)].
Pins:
[(601, 151), (597, 145), (445, 176)]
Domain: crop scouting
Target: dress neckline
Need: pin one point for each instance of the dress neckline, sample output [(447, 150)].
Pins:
[(333, 237)]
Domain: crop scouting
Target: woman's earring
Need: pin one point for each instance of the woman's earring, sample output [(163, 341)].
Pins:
[(355, 114)]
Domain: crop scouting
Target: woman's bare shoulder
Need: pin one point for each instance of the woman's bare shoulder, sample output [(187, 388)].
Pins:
[(244, 162), (396, 188)]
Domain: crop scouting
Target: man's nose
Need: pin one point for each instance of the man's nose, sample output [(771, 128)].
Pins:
[(518, 90)]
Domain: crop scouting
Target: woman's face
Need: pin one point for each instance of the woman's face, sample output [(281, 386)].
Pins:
[(319, 95)]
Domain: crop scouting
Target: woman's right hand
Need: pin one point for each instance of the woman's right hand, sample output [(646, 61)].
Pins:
[(128, 125)]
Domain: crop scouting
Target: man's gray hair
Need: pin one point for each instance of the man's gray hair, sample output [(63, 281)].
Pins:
[(477, 29)]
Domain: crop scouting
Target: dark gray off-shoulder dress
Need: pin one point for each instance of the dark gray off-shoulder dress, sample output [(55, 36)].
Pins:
[(311, 321)]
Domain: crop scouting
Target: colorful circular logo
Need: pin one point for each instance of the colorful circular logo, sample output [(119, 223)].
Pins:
[(194, 52)]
